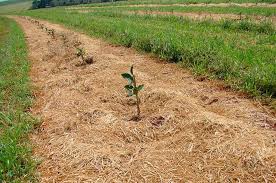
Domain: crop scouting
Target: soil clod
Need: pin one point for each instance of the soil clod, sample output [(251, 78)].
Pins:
[(89, 60), (135, 118)]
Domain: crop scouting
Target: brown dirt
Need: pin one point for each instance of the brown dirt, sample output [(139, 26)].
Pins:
[(192, 130)]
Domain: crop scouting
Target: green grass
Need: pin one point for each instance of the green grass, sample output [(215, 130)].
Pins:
[(16, 164), (234, 52)]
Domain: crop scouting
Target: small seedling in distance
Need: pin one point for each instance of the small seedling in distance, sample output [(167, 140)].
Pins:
[(133, 89), (51, 32), (85, 59), (41, 26), (81, 53)]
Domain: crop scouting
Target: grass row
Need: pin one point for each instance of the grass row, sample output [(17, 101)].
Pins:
[(133, 2), (245, 24), (16, 164), (244, 58), (264, 11), (202, 1)]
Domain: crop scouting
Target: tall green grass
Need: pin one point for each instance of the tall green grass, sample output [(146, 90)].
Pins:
[(16, 164), (242, 54)]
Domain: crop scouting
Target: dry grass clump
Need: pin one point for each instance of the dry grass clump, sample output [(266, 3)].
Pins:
[(188, 146)]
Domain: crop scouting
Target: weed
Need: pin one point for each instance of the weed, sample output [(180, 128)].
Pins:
[(133, 89), (226, 24), (265, 27), (244, 25)]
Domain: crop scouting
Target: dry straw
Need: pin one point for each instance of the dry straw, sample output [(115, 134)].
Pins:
[(87, 136)]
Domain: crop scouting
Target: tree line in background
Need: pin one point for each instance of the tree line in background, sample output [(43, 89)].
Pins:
[(52, 3)]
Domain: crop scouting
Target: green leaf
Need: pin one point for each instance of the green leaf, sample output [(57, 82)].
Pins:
[(129, 87), (128, 77), (140, 87)]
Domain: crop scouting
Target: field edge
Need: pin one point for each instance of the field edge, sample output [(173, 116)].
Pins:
[(16, 122)]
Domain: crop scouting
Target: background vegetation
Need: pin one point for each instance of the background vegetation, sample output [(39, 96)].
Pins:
[(16, 164), (16, 6), (51, 3)]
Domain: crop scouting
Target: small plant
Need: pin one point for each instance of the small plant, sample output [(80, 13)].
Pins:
[(85, 59), (81, 53), (64, 38), (41, 26), (51, 32), (36, 22), (226, 24), (133, 89)]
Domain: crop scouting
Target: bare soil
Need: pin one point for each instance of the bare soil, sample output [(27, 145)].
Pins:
[(192, 129)]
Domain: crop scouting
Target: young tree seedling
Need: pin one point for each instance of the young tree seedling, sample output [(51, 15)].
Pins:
[(51, 32), (64, 38), (41, 26), (133, 89), (81, 53)]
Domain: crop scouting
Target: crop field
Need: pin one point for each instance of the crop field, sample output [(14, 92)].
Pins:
[(139, 91)]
